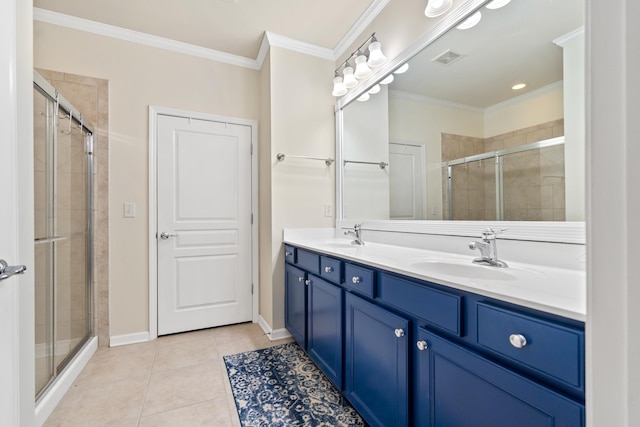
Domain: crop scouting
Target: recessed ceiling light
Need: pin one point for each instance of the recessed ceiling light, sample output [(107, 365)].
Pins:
[(470, 22), (519, 86), (497, 4)]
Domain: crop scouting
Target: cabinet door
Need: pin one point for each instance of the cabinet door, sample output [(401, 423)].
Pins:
[(295, 307), (324, 340), (376, 362), (456, 387)]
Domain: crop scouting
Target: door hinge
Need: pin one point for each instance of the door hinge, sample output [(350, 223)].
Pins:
[(252, 289), (251, 149), (251, 218)]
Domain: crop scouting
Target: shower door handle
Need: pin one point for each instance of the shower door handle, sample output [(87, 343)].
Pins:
[(7, 271)]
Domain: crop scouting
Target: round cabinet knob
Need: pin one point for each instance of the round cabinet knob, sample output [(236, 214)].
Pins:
[(328, 269), (355, 279), (306, 282), (422, 345), (301, 279), (399, 333), (517, 340), (288, 254)]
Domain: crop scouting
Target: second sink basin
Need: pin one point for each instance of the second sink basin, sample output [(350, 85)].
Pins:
[(467, 269)]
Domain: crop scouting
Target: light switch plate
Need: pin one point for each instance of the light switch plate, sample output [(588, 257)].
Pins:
[(129, 210)]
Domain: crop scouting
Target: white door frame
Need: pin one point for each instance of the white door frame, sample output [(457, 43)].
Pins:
[(154, 112), (17, 387), (425, 187)]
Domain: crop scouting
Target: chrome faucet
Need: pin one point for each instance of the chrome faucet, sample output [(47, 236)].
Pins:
[(357, 233), (488, 249)]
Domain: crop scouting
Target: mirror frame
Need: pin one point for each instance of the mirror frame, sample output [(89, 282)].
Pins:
[(572, 232)]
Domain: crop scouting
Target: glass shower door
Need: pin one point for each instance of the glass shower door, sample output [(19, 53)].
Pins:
[(62, 239)]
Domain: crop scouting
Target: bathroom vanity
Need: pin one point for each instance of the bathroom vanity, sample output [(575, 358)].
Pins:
[(424, 338)]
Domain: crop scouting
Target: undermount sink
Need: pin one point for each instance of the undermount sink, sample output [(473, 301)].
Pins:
[(467, 269)]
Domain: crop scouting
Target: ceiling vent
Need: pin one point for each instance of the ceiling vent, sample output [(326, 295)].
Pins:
[(447, 57)]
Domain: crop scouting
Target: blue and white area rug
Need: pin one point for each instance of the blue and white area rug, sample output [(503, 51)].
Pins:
[(280, 386)]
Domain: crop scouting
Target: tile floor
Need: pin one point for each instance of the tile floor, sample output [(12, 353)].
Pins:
[(176, 380)]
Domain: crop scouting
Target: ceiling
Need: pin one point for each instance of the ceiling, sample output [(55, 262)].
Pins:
[(509, 45), (231, 26)]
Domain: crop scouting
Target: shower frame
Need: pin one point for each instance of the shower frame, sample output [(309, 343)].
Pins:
[(498, 157), (62, 104)]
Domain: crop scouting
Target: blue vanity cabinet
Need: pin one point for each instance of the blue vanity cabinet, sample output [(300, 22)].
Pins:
[(295, 307), (458, 387), (376, 362), (324, 326)]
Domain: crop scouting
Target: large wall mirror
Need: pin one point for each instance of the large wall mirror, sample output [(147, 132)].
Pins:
[(453, 138)]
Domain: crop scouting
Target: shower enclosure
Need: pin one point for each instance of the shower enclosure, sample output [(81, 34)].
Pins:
[(523, 183), (63, 165)]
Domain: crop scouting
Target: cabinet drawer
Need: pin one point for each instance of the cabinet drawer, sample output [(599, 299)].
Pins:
[(289, 254), (544, 347), (331, 269), (359, 279), (439, 308), (308, 260)]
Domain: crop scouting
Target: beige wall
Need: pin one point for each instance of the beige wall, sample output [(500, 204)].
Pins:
[(366, 139), (140, 76), (302, 124)]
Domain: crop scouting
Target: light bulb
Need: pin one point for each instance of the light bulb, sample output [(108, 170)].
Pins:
[(338, 87), (364, 97), (387, 80), (362, 70), (404, 67), (376, 58), (470, 22), (374, 90), (349, 79), (437, 7), (497, 4)]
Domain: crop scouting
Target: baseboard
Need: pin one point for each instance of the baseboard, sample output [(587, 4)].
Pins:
[(127, 339), (48, 402), (274, 335)]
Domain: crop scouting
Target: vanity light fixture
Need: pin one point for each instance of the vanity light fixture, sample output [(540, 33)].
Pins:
[(471, 21), (372, 58), (437, 7), (364, 97), (519, 86), (497, 4)]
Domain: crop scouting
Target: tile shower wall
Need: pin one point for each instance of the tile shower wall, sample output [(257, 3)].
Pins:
[(533, 180), (91, 96)]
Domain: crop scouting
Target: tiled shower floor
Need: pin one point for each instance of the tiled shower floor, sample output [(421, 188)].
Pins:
[(176, 380)]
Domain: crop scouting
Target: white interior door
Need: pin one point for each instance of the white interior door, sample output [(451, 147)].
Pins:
[(204, 224), (406, 181)]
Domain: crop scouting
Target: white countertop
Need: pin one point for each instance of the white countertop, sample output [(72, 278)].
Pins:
[(551, 289)]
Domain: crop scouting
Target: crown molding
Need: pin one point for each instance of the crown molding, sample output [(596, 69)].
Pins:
[(112, 31), (523, 97), (298, 46), (269, 39), (358, 27), (428, 100), (562, 40)]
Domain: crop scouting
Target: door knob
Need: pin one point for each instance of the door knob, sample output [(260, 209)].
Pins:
[(164, 235)]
